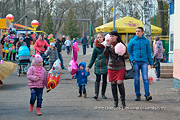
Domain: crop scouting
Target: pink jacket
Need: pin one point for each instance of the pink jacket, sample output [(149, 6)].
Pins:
[(38, 46), (32, 78)]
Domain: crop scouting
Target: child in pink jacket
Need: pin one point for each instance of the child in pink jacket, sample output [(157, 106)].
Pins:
[(36, 76)]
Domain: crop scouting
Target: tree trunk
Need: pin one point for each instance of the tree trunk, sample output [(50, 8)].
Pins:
[(147, 22), (161, 16)]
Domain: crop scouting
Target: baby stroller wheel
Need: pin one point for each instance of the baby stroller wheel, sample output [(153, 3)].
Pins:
[(19, 70)]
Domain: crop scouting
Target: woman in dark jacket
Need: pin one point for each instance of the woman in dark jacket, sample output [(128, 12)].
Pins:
[(116, 68), (100, 66)]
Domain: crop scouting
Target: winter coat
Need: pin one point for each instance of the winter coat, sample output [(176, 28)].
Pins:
[(139, 50), (115, 62), (28, 40), (32, 78), (53, 54), (58, 45), (158, 50), (99, 59), (84, 40), (38, 46), (67, 43), (81, 75)]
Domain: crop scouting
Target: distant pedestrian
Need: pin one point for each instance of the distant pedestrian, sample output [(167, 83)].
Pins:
[(158, 55), (36, 76), (58, 44), (68, 44), (84, 42), (81, 77), (45, 38), (92, 42), (28, 39)]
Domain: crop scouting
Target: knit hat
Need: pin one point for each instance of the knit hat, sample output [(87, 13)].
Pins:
[(52, 44), (21, 38), (36, 58), (157, 38)]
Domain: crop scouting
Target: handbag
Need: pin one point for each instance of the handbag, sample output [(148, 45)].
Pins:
[(129, 74), (164, 59)]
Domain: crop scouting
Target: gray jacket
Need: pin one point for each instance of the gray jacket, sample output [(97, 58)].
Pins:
[(53, 54)]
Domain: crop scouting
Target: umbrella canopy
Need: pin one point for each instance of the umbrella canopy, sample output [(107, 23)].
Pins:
[(6, 69), (126, 25)]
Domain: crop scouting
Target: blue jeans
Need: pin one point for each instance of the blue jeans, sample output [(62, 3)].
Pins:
[(84, 49), (36, 93), (143, 66), (68, 49), (61, 59), (82, 88), (158, 69)]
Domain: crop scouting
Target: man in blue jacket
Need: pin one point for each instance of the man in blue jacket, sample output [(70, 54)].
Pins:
[(140, 54)]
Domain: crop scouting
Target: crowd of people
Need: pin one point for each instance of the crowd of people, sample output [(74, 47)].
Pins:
[(107, 63)]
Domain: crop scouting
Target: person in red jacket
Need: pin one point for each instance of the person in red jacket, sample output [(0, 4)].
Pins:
[(40, 44)]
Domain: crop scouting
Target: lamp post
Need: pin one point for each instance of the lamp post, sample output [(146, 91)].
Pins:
[(114, 14), (34, 24)]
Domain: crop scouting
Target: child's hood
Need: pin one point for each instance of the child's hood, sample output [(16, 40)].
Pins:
[(83, 64)]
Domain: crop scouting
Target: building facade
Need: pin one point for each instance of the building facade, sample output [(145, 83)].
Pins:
[(176, 65)]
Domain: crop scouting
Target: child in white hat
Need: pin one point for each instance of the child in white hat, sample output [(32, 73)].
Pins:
[(52, 53)]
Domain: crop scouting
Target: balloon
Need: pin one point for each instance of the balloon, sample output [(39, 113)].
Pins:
[(10, 49), (6, 51), (5, 48), (54, 75), (52, 81), (13, 51), (10, 45), (120, 49), (13, 47), (73, 65)]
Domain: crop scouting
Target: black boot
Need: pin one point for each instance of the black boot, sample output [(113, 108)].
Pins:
[(122, 93), (96, 90), (138, 98), (104, 84), (148, 98), (115, 95)]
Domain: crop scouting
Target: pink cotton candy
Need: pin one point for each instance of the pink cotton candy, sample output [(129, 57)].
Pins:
[(120, 49)]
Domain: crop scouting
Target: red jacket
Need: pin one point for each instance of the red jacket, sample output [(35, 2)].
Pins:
[(38, 46)]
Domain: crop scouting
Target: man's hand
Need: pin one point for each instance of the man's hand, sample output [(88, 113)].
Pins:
[(60, 52)]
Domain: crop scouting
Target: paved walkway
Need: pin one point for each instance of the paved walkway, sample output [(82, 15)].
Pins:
[(62, 103)]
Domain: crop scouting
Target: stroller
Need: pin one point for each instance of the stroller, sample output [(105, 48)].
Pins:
[(23, 60)]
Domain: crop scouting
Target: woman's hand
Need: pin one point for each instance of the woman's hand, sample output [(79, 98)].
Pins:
[(87, 70)]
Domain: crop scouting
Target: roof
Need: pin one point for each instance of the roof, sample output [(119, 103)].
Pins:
[(126, 25)]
